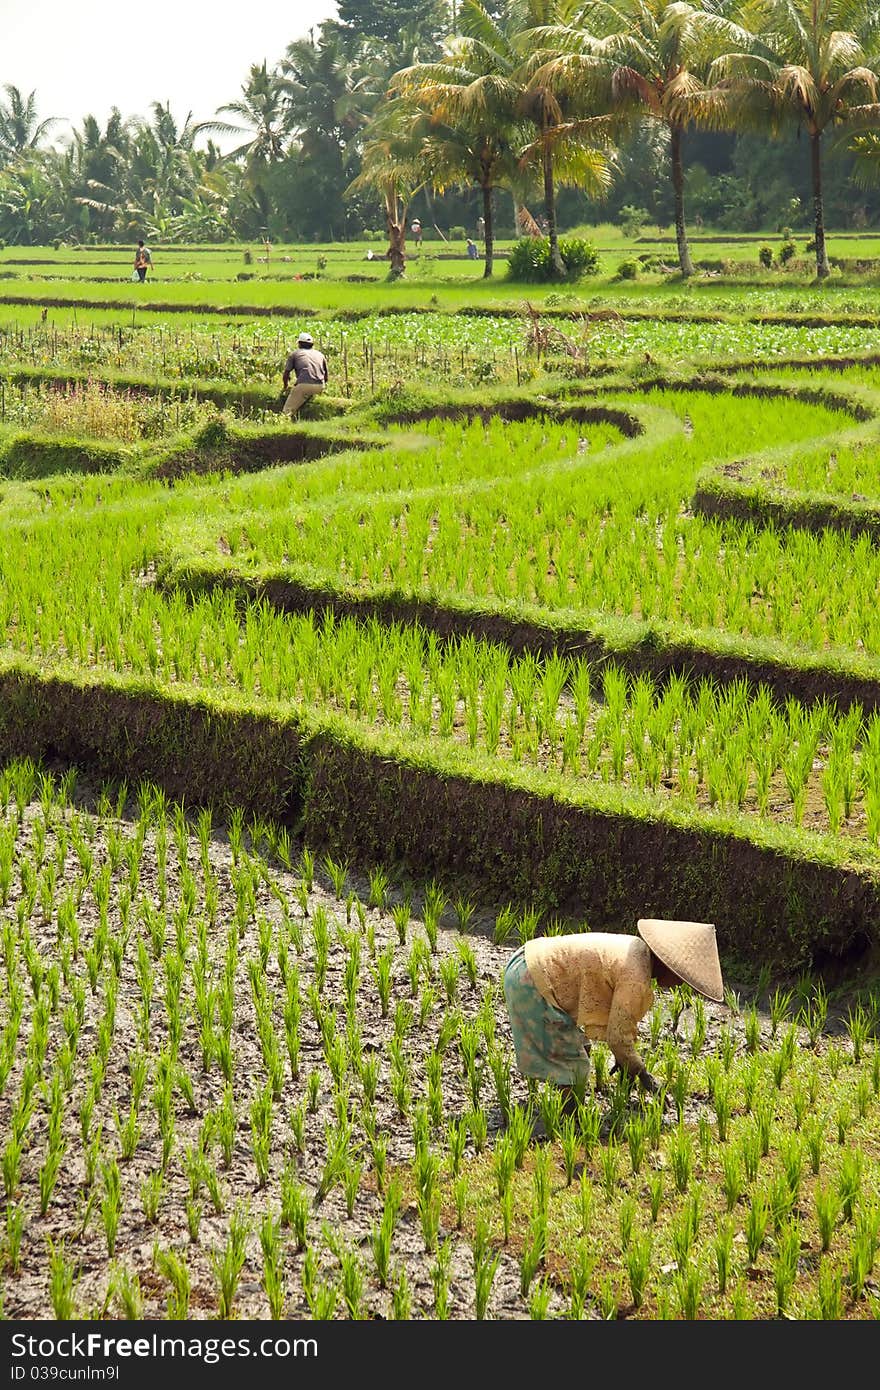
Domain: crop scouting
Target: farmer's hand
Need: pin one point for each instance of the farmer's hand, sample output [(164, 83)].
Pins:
[(651, 1086), (646, 1081)]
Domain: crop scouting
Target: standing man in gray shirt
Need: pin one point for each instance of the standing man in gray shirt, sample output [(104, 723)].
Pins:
[(309, 368)]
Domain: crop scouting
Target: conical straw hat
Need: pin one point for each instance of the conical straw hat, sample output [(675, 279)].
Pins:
[(689, 949)]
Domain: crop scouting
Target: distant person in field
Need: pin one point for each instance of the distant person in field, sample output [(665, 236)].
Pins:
[(142, 261), (416, 231), (472, 251), (562, 992), (308, 367)]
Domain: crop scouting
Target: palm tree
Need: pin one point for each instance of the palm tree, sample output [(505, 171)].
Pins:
[(472, 128), (490, 90), (864, 147), (393, 167), (98, 163), (261, 115), (565, 147), (20, 131), (648, 57), (34, 205), (803, 61), (165, 165), (329, 94)]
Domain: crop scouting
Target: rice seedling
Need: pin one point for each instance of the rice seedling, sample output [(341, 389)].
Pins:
[(227, 1263), (580, 1276), (450, 971), (63, 1280), (639, 1254), (763, 1125), (110, 1203), (351, 1179), (92, 1155), (679, 999), (152, 1189), (273, 1264), (127, 1288), (865, 1237), (215, 1191), (381, 970), (550, 1103), (655, 1195), (261, 1132), (540, 1299), (401, 1297), (858, 1268), (379, 888), (172, 1266), (756, 1223), (534, 1251), (194, 1210), (465, 952), (440, 1276), (352, 1284), (859, 1026), (15, 1223), (337, 872), (505, 925), (680, 1086), (830, 1299), (527, 923), (753, 1029), (626, 1216), (814, 1014), (688, 1282), (681, 1157), (48, 1175), (780, 1009), (849, 1181), (486, 1264), (500, 1066), (607, 1298), (698, 1035), (463, 911)]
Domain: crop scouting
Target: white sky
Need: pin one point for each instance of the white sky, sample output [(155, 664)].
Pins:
[(85, 56)]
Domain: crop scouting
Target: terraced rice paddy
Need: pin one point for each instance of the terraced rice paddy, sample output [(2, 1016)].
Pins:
[(495, 642)]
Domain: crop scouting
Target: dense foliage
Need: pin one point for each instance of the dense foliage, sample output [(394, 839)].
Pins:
[(529, 259), (716, 116)]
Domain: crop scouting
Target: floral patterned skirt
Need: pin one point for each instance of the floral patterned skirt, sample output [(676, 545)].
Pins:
[(549, 1045)]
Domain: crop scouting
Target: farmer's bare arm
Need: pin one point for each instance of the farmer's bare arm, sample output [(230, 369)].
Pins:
[(626, 1010)]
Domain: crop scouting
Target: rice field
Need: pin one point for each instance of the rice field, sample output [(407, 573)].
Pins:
[(254, 1057), (239, 1080)]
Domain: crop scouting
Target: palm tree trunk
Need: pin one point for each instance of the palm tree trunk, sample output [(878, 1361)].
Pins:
[(395, 220), (822, 267), (557, 264), (489, 229), (396, 253), (685, 263)]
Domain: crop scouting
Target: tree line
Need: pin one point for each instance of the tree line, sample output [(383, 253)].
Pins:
[(737, 114)]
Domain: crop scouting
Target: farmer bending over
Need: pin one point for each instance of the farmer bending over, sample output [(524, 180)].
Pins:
[(561, 989), (310, 373)]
